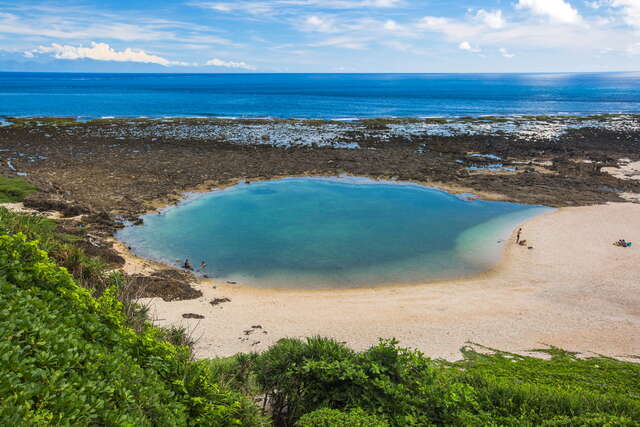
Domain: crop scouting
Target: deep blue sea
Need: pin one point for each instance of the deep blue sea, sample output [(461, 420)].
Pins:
[(328, 96)]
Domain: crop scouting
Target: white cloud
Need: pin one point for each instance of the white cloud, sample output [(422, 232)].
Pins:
[(505, 53), (221, 7), (630, 11), (72, 29), (452, 29), (433, 22), (381, 3), (277, 6), (102, 52), (557, 10), (215, 62), (84, 28), (465, 45), (394, 44), (492, 20), (597, 4), (633, 49), (344, 42), (319, 24), (391, 25)]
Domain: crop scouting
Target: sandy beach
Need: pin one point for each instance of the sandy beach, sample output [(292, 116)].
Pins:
[(574, 290)]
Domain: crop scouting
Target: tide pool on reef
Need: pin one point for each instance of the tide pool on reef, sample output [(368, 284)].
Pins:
[(313, 233)]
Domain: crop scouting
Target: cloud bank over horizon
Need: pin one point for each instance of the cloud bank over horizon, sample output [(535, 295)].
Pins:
[(323, 35)]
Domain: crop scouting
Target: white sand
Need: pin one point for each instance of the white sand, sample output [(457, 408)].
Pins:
[(574, 290)]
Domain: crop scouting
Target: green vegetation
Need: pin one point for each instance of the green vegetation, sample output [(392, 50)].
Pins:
[(69, 358), (404, 388), (14, 189), (376, 123), (436, 120), (90, 272), (20, 122), (381, 123), (333, 418), (76, 349)]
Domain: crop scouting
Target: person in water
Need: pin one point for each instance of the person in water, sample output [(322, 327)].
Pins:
[(187, 264), (203, 265)]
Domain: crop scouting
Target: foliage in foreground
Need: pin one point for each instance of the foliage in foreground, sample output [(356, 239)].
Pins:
[(90, 272), (333, 418), (14, 189), (403, 388), (69, 358)]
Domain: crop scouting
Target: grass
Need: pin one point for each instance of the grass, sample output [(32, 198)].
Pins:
[(14, 189), (23, 122), (563, 369)]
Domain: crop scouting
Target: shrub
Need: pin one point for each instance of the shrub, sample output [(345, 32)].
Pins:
[(334, 418), (300, 377), (69, 358), (404, 388)]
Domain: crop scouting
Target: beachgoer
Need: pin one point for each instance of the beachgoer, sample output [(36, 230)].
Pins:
[(187, 264), (203, 265), (622, 243), (518, 235)]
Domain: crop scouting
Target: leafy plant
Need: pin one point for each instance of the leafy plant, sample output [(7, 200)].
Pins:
[(333, 418), (404, 388), (14, 189), (69, 358)]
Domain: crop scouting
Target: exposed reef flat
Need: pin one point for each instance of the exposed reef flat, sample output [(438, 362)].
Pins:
[(129, 166)]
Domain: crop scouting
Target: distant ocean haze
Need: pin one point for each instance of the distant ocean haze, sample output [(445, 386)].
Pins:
[(320, 96)]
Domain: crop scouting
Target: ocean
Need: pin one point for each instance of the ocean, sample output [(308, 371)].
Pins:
[(316, 96)]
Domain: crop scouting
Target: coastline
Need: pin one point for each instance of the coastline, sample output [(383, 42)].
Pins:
[(575, 290)]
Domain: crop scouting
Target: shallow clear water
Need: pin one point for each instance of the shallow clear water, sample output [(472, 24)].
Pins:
[(328, 96), (330, 233)]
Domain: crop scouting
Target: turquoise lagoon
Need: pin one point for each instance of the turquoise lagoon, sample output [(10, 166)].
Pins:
[(313, 233)]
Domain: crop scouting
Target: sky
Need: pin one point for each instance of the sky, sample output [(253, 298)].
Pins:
[(325, 36)]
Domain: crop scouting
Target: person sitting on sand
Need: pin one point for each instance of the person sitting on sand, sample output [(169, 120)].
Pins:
[(622, 243), (187, 264)]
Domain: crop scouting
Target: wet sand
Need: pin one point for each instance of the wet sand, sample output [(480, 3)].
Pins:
[(574, 290)]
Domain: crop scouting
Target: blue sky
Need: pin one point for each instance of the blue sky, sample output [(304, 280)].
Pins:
[(320, 35)]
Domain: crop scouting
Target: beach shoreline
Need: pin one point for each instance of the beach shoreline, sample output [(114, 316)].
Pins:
[(528, 301)]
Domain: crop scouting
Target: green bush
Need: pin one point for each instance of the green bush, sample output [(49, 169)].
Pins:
[(334, 418), (404, 388), (14, 189), (69, 358), (90, 272), (300, 377)]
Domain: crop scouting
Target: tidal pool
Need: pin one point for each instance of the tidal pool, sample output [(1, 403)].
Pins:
[(313, 233)]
